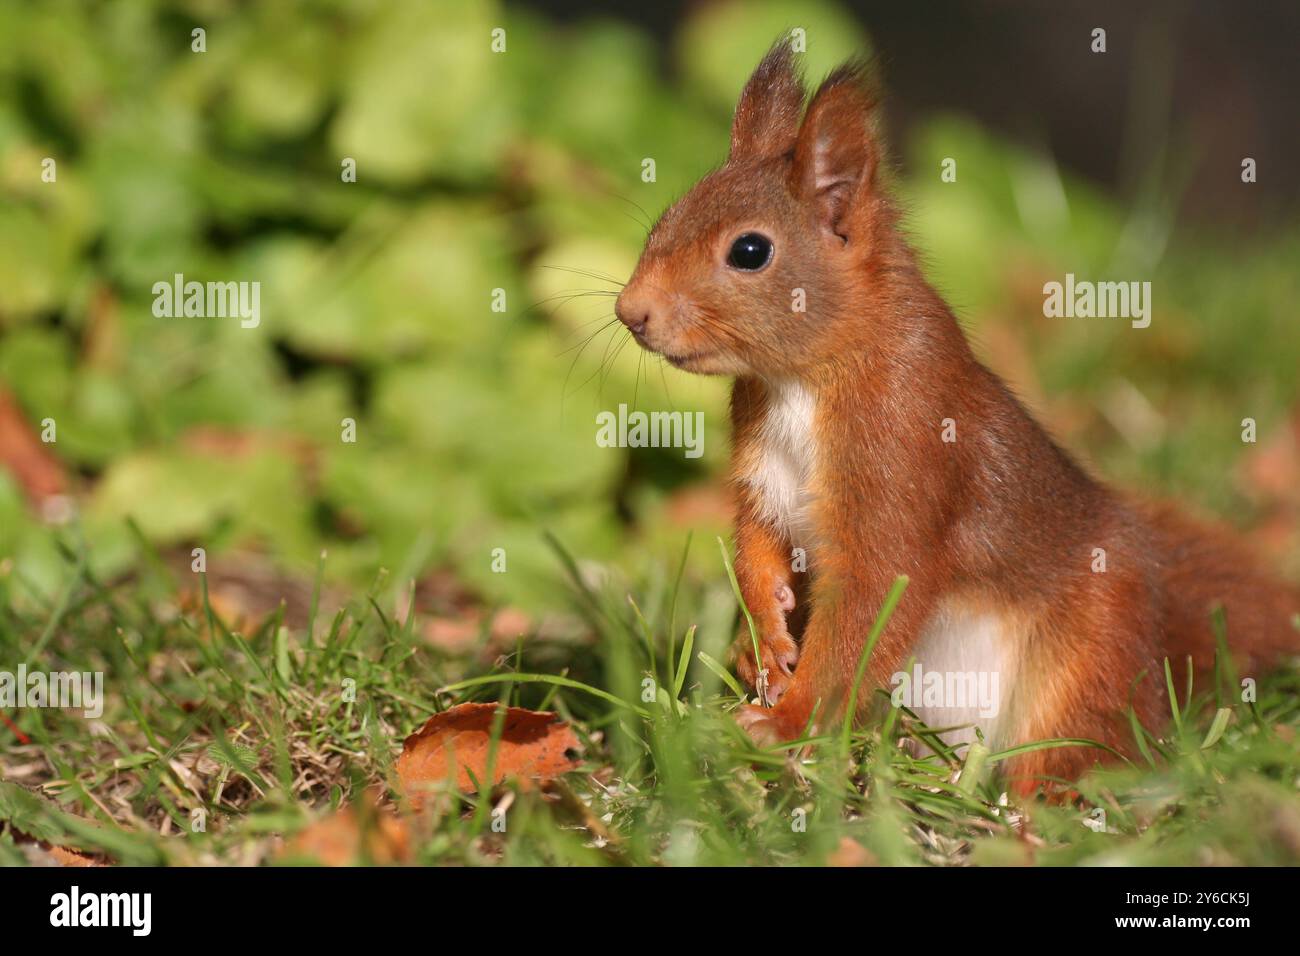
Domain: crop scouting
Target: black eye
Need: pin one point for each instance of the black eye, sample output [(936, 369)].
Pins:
[(750, 252)]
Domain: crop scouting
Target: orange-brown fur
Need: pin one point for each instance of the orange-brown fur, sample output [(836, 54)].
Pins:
[(1000, 519)]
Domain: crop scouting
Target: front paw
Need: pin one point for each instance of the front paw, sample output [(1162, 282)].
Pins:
[(778, 654)]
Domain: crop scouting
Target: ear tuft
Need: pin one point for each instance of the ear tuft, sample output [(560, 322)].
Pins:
[(835, 154), (767, 115)]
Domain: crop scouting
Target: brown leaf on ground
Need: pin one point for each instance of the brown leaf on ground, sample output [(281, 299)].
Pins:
[(534, 748), (39, 473), (68, 857), (41, 853), (348, 837), (851, 853), (228, 605)]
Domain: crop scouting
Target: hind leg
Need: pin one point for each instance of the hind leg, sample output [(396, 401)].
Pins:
[(1083, 671)]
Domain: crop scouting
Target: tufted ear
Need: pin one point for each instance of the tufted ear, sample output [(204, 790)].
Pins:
[(835, 154), (767, 115)]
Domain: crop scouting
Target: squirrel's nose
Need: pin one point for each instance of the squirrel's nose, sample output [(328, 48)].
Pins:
[(633, 311)]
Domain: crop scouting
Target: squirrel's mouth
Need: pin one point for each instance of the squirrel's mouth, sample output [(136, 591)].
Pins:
[(685, 360)]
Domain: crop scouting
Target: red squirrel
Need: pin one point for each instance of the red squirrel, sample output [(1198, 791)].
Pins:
[(839, 415)]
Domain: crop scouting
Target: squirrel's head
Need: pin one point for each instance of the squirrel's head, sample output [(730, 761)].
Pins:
[(756, 268)]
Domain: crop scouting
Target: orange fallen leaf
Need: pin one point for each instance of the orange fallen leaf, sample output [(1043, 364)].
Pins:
[(342, 838), (534, 748), (68, 857), (226, 604), (851, 853)]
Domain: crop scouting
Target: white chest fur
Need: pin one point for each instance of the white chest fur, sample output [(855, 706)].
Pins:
[(964, 673), (780, 472)]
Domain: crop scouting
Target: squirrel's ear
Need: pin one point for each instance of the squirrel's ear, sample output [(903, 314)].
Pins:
[(835, 155), (767, 116)]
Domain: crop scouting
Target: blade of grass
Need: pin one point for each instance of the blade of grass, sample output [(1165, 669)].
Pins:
[(1052, 743), (315, 604), (1173, 698), (749, 619), (542, 679), (723, 674), (684, 663), (1217, 727), (672, 614), (886, 611), (60, 610), (646, 636)]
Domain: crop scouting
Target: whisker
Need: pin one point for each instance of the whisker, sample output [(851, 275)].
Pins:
[(567, 297), (574, 363), (612, 359), (664, 378), (644, 227), (572, 294), (648, 224), (636, 382), (605, 356), (588, 273), (599, 318), (610, 320), (602, 362)]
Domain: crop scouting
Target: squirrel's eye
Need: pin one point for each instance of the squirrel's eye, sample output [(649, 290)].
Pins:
[(750, 252)]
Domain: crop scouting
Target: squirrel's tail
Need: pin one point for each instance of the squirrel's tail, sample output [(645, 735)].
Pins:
[(1202, 568)]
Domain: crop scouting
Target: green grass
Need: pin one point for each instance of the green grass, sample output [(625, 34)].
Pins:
[(254, 729)]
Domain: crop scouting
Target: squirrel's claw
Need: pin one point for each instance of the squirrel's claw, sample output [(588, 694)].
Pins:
[(778, 654)]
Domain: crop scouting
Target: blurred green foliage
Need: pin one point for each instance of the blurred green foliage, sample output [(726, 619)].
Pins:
[(477, 171)]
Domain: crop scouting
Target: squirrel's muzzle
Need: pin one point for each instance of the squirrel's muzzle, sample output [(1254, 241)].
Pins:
[(637, 308)]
